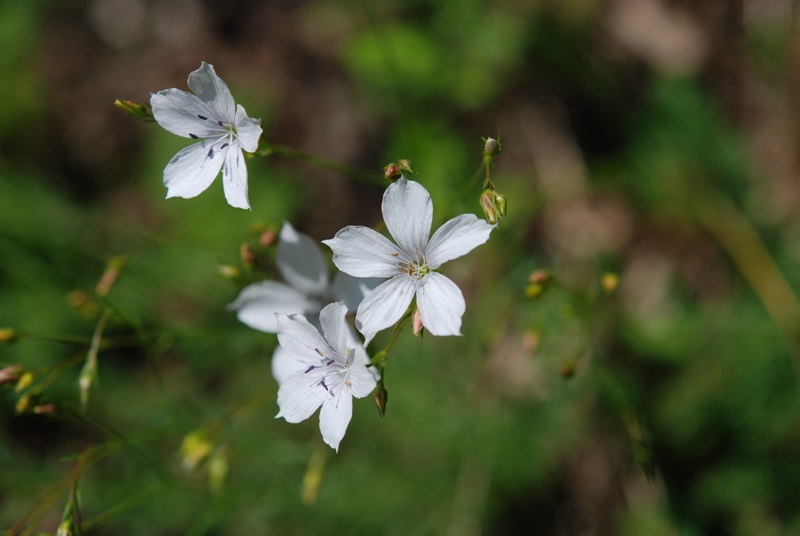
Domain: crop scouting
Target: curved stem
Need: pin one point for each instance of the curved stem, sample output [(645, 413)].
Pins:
[(364, 176)]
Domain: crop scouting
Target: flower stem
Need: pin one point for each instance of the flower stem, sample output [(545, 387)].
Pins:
[(267, 149)]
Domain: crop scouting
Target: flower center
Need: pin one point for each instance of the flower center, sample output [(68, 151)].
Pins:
[(416, 268)]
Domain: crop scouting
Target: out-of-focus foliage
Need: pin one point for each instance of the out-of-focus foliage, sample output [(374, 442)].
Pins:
[(630, 358)]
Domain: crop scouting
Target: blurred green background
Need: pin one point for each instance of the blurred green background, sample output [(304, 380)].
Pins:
[(645, 383)]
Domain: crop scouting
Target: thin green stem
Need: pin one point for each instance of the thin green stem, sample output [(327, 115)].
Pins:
[(268, 149)]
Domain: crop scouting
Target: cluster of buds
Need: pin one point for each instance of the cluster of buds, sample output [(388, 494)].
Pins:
[(394, 171)]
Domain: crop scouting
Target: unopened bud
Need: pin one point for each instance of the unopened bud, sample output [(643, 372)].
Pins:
[(609, 282), (489, 207), (267, 238), (392, 172), (66, 528), (493, 204), (381, 397), (113, 268), (10, 374), (532, 291), (8, 335), (229, 272), (85, 381), (406, 167), (247, 255), (502, 204), (491, 147), (416, 322), (540, 277), (194, 449), (45, 409), (218, 470), (567, 369), (24, 403), (133, 109), (25, 381)]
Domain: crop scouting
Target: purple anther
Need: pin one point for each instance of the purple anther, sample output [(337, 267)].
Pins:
[(221, 123), (322, 383), (204, 118), (223, 145), (193, 136), (309, 369), (211, 152), (329, 363)]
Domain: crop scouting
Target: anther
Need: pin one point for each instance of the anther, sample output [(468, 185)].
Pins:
[(193, 136), (322, 383), (220, 123), (309, 369), (204, 118), (317, 350), (211, 152), (223, 145), (329, 363)]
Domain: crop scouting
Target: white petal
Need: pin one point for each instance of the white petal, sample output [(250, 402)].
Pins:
[(211, 89), (257, 304), (408, 213), (455, 238), (181, 113), (335, 416), (284, 366), (363, 252), (301, 340), (300, 262), (192, 170), (248, 130), (441, 305), (334, 327), (352, 290), (299, 396), (384, 306), (362, 379), (234, 177)]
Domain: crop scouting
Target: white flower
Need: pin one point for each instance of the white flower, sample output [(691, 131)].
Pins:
[(302, 266), (225, 129), (334, 372), (363, 252)]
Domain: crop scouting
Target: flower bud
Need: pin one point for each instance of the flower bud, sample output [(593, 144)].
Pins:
[(195, 448), (8, 335), (489, 207), (45, 409), (405, 166), (609, 282), (540, 277), (416, 322), (24, 403), (247, 255), (381, 397), (25, 381), (502, 204), (491, 147), (66, 528), (229, 272), (392, 172), (532, 291), (10, 374), (133, 109), (567, 369), (267, 238), (218, 470)]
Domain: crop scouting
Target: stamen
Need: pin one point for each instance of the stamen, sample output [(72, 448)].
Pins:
[(329, 363), (204, 118), (193, 136), (221, 123), (322, 383), (317, 350), (309, 369), (223, 145), (211, 152), (395, 254)]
